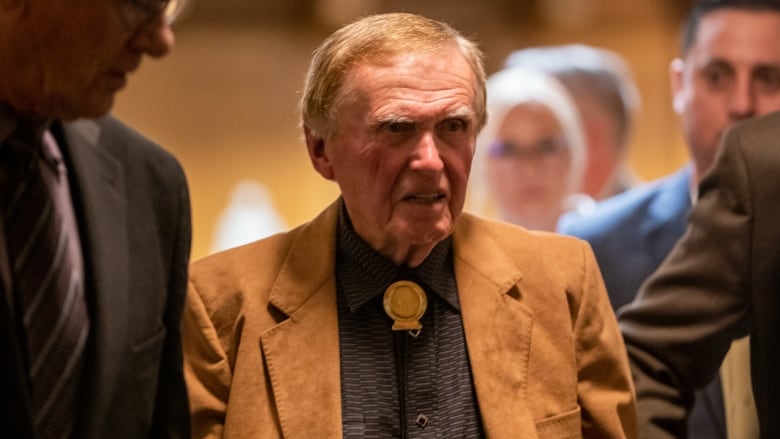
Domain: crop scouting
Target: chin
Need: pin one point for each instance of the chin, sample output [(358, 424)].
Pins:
[(431, 235)]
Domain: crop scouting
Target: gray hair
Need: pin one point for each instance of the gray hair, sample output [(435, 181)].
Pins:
[(374, 38), (590, 72)]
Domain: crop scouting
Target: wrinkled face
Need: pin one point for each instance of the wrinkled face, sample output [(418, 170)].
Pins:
[(76, 54), (529, 167), (731, 72), (403, 146)]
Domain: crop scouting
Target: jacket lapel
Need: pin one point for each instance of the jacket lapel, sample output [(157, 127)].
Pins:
[(497, 327), (302, 352), (98, 187)]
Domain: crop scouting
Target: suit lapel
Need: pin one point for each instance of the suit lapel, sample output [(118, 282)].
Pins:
[(98, 187), (497, 327), (302, 352)]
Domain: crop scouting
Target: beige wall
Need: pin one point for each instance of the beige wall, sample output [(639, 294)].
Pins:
[(224, 101)]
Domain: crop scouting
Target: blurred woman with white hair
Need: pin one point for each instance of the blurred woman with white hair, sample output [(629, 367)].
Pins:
[(530, 157)]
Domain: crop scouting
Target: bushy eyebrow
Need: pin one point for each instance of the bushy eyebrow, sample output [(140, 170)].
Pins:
[(765, 68), (717, 63), (463, 112), (392, 118)]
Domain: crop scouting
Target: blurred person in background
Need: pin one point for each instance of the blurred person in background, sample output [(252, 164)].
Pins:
[(729, 70), (601, 85), (530, 158)]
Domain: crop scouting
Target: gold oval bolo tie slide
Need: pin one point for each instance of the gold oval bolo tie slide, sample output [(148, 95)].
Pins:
[(405, 302)]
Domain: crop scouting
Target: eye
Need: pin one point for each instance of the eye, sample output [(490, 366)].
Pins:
[(454, 125), (716, 77), (501, 149), (398, 127), (551, 146), (768, 80)]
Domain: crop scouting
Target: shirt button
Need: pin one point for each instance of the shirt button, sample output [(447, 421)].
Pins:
[(422, 420)]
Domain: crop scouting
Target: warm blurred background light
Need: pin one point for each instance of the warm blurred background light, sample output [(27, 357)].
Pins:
[(225, 101)]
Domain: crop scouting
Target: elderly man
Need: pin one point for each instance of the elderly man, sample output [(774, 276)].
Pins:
[(392, 314), (94, 229)]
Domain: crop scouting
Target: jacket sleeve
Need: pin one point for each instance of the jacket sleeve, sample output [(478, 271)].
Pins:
[(688, 312), (604, 386), (171, 413), (206, 369)]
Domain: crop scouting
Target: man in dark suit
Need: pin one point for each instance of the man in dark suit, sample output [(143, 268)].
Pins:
[(726, 267), (94, 229), (729, 71)]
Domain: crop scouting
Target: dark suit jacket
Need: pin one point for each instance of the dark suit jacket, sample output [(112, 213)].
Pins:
[(727, 267), (132, 206), (631, 234)]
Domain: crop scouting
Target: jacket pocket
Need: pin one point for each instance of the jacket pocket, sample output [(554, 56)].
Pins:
[(564, 426)]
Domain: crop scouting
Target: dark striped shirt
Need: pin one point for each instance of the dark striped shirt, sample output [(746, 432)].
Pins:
[(392, 383)]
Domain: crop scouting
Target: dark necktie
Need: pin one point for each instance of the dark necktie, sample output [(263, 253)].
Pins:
[(48, 288)]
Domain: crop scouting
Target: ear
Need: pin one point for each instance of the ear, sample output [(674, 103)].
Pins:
[(318, 155), (676, 79)]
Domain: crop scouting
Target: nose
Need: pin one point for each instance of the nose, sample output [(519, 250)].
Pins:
[(426, 155), (155, 37), (743, 100)]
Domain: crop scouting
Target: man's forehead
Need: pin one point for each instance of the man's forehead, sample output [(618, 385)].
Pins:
[(734, 24), (397, 93), (739, 36)]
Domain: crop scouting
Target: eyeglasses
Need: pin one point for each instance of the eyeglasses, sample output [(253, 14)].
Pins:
[(136, 13), (545, 151)]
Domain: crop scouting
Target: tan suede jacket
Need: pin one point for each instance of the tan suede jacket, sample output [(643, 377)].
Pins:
[(262, 349)]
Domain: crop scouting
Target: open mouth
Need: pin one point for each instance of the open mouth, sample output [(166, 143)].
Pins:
[(424, 198)]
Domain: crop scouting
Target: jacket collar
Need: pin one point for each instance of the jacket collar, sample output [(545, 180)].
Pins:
[(496, 323)]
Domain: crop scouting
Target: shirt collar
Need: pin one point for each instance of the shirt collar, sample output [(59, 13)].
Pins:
[(13, 125), (363, 273)]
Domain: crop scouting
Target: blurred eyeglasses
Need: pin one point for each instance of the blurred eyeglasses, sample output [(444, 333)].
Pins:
[(545, 151), (137, 13)]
